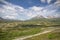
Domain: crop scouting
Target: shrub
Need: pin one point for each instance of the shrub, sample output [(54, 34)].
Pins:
[(50, 36)]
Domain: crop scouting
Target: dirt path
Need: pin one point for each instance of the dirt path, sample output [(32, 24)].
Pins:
[(46, 31)]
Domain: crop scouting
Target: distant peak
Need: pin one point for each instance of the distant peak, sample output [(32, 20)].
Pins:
[(39, 16), (1, 18)]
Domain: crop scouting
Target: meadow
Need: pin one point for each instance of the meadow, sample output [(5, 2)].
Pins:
[(12, 30), (55, 35)]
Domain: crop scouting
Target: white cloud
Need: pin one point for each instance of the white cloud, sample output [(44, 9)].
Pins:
[(44, 1), (51, 10), (8, 7), (14, 11), (35, 8), (10, 11), (48, 1), (9, 17), (33, 11), (31, 15), (58, 1)]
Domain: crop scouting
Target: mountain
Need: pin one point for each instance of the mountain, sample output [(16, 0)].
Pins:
[(45, 19), (9, 20), (1, 18), (38, 17), (53, 17)]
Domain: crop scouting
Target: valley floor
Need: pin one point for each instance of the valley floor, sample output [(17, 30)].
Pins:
[(50, 29)]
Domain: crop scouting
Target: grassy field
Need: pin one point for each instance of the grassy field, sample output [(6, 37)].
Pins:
[(55, 35), (11, 30)]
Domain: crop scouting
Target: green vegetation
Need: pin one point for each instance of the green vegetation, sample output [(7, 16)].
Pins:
[(16, 33), (9, 31), (13, 29), (50, 36), (55, 35)]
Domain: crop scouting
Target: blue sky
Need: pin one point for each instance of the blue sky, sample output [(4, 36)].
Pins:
[(30, 3), (26, 9)]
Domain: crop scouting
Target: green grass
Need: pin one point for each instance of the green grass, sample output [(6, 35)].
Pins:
[(11, 30), (55, 35), (13, 33)]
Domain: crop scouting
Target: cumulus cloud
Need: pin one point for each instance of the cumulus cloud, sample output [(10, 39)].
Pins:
[(48, 1), (9, 17), (35, 8), (58, 1), (44, 1), (12, 11)]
